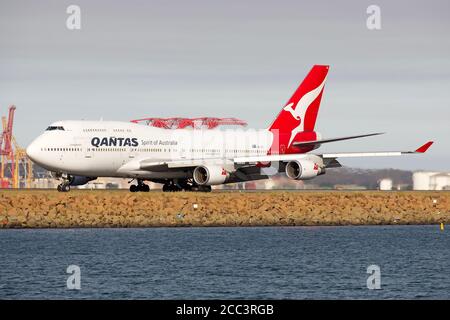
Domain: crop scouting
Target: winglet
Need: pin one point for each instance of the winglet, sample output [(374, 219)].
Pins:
[(424, 148)]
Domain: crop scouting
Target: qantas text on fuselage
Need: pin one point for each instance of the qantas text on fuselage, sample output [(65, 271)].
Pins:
[(189, 159)]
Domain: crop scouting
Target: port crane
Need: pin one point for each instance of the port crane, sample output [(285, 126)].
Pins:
[(16, 170)]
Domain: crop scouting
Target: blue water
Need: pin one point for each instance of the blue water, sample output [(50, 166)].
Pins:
[(227, 263)]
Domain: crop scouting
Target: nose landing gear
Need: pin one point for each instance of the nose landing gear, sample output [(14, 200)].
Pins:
[(63, 187)]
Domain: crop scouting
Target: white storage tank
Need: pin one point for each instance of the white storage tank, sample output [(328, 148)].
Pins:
[(421, 180), (385, 184), (440, 181)]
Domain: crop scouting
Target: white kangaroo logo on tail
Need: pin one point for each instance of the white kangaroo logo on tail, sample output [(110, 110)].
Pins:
[(292, 111), (300, 109)]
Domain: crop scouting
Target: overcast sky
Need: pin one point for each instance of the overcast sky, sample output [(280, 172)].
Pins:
[(134, 59)]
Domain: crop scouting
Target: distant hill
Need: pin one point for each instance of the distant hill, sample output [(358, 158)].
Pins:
[(363, 177)]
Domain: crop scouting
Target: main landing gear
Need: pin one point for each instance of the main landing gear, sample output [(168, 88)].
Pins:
[(201, 188), (140, 187), (171, 186)]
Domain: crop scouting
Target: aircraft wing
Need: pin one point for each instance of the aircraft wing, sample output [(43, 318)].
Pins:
[(296, 156), (421, 149), (329, 159)]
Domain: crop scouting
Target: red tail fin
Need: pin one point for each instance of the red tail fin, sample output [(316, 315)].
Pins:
[(300, 112)]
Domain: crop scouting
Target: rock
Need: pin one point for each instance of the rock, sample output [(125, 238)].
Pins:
[(32, 209)]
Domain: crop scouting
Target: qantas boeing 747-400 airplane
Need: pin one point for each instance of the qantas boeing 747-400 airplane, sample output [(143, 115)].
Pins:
[(194, 159)]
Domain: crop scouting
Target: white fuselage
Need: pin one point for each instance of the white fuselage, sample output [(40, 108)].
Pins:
[(115, 149)]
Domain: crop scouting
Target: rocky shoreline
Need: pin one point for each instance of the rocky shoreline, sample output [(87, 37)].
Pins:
[(98, 209)]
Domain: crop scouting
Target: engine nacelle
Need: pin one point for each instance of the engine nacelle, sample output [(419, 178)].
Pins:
[(209, 175), (79, 180), (303, 169)]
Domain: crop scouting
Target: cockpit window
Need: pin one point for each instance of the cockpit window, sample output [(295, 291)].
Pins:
[(51, 128)]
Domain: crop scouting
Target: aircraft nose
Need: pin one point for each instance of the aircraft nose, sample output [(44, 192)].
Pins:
[(32, 151)]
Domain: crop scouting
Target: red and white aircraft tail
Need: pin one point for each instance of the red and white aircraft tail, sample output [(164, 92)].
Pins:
[(300, 112), (293, 128)]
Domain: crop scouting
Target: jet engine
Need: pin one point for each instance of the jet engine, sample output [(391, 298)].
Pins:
[(79, 180), (303, 169), (209, 175)]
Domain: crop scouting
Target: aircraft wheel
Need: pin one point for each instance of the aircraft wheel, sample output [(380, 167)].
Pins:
[(65, 188), (145, 188), (133, 188), (204, 188), (187, 188), (59, 188), (171, 188)]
